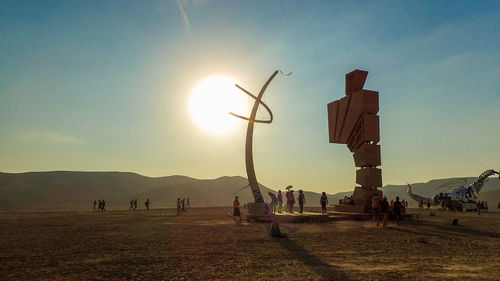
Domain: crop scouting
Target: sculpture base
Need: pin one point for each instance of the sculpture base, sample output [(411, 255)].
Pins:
[(362, 197), (256, 209)]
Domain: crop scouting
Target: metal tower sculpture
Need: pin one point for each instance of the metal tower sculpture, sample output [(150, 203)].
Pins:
[(252, 179), (353, 120)]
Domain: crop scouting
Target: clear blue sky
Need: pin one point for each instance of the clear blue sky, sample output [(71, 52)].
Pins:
[(104, 86)]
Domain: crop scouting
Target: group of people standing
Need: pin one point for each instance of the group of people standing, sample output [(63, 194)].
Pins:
[(380, 207), (101, 207), (277, 201), (182, 205)]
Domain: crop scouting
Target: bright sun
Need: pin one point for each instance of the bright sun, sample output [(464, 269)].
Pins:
[(212, 99)]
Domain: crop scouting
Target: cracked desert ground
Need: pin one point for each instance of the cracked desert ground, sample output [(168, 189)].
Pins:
[(205, 244)]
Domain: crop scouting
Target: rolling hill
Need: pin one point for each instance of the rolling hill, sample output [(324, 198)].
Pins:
[(65, 190)]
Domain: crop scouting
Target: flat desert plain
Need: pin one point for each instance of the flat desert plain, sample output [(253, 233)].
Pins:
[(205, 244)]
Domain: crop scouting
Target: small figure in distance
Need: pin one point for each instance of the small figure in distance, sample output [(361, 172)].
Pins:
[(274, 202), (236, 206), (275, 230), (187, 204), (384, 206), (103, 205), (397, 209), (178, 206), (280, 201), (428, 204), (323, 200), (135, 203), (131, 204), (421, 205), (302, 201), (376, 208), (147, 203), (95, 206), (100, 206), (183, 204), (291, 201)]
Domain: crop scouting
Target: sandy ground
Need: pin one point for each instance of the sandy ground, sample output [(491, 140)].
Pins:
[(205, 244)]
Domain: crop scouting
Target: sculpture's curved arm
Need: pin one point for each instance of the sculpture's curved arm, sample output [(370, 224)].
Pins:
[(260, 102)]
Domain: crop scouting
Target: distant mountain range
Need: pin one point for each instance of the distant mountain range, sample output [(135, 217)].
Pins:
[(62, 190)]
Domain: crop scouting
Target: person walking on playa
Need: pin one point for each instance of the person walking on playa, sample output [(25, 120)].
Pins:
[(376, 208), (187, 204), (274, 202), (302, 201), (103, 205), (397, 209), (236, 206), (95, 206), (135, 203), (131, 204), (178, 206), (280, 201), (147, 203), (384, 206), (183, 204), (323, 200)]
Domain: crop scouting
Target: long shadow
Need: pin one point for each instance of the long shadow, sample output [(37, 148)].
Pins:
[(458, 229), (326, 271), (418, 232)]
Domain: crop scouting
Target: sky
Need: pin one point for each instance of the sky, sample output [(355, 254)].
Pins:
[(105, 86)]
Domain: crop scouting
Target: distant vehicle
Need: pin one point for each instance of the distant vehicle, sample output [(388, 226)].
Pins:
[(460, 198)]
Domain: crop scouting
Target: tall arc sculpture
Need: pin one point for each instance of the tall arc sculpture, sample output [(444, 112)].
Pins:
[(353, 120), (257, 207)]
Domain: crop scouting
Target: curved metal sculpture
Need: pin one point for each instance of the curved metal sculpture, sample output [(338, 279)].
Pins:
[(252, 179)]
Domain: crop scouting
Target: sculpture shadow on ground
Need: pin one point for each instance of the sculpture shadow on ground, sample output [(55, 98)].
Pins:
[(458, 229), (325, 270)]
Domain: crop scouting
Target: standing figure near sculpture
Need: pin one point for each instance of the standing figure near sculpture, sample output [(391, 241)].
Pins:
[(384, 206), (95, 206), (236, 206), (323, 201), (376, 208), (397, 209), (187, 204), (147, 203), (135, 203), (103, 208), (178, 206), (290, 201), (274, 202), (302, 201), (131, 204), (183, 204), (280, 201)]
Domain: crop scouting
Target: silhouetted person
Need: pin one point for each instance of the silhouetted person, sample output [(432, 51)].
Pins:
[(103, 205), (478, 208), (428, 204), (280, 201), (178, 206), (183, 204), (302, 201), (290, 201), (187, 203), (100, 206), (236, 206), (384, 206), (421, 204), (323, 200), (376, 208), (131, 204), (147, 204), (397, 209), (274, 202), (135, 203), (95, 206)]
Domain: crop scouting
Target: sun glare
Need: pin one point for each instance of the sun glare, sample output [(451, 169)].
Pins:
[(212, 99)]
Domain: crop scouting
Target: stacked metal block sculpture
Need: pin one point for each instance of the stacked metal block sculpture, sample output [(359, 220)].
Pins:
[(353, 120)]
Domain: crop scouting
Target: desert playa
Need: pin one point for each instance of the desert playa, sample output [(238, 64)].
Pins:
[(205, 243)]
